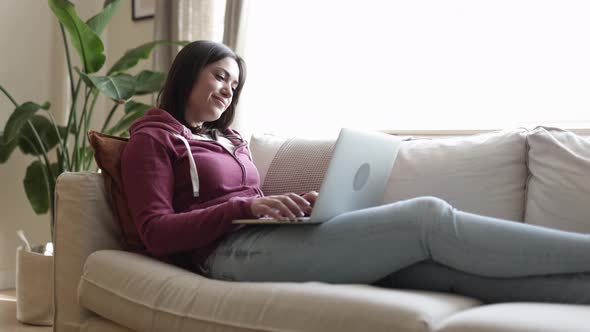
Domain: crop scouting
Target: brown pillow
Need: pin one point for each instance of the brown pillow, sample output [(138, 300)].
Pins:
[(107, 153)]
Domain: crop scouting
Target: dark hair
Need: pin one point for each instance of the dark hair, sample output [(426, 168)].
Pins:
[(185, 70)]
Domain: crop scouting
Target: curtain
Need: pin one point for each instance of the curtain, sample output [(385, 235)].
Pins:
[(183, 20), (235, 25), (234, 32)]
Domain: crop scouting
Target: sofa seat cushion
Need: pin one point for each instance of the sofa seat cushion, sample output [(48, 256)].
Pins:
[(147, 295), (520, 317)]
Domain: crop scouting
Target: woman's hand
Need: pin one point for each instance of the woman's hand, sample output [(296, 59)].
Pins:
[(282, 207), (311, 197)]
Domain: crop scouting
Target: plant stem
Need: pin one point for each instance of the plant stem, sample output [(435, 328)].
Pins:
[(9, 96), (108, 119), (80, 123), (84, 156), (86, 164), (59, 138), (74, 95), (63, 33), (72, 121), (71, 117), (91, 109), (89, 161)]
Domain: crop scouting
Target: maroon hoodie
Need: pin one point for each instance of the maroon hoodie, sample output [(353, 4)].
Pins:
[(183, 204)]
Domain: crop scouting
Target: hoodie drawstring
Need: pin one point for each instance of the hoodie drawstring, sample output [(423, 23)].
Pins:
[(193, 166)]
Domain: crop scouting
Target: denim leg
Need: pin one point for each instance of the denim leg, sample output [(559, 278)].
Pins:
[(428, 275), (499, 248), (357, 247), (364, 246)]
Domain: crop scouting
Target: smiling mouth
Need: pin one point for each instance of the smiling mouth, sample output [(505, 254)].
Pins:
[(219, 101)]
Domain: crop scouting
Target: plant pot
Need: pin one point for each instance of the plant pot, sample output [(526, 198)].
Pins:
[(34, 286)]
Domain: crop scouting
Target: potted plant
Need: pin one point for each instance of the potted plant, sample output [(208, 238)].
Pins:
[(59, 148)]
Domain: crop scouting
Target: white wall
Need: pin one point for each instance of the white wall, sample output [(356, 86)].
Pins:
[(26, 38), (32, 67)]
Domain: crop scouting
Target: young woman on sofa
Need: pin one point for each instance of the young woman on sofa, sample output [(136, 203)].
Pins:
[(187, 175)]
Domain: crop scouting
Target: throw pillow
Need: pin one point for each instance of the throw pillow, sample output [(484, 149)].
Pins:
[(107, 153), (298, 166)]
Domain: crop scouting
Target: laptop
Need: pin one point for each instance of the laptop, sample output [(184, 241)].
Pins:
[(356, 177)]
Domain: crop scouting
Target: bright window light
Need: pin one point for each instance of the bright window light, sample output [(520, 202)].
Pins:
[(416, 65)]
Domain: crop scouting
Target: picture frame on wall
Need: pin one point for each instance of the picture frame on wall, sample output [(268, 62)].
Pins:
[(143, 9)]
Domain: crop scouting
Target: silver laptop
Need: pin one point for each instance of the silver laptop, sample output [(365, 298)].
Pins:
[(356, 178)]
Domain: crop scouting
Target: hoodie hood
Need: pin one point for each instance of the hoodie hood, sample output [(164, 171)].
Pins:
[(157, 118), (160, 119)]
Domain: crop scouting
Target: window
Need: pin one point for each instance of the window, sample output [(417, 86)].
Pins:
[(416, 65)]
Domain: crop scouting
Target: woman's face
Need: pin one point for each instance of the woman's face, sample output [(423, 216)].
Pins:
[(212, 92)]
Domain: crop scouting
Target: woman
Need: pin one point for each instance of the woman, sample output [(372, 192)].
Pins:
[(187, 175)]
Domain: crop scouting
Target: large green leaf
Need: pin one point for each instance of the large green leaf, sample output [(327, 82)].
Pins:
[(89, 46), (28, 142), (125, 122), (133, 106), (99, 21), (149, 82), (119, 88), (18, 119), (36, 186), (6, 148), (132, 57)]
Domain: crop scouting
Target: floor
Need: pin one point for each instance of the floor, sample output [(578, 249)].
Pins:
[(8, 320)]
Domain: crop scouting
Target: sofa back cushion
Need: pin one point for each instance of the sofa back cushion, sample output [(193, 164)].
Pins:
[(483, 173), (559, 183)]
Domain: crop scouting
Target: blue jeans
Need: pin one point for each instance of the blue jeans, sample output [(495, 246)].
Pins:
[(365, 246), (428, 275)]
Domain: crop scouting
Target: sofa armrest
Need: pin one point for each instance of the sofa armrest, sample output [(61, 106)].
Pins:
[(84, 223)]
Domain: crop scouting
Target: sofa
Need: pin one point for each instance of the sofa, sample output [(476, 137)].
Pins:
[(533, 175)]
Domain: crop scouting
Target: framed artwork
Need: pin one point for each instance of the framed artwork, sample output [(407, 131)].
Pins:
[(142, 9)]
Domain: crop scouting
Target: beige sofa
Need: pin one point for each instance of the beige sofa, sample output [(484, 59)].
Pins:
[(537, 176)]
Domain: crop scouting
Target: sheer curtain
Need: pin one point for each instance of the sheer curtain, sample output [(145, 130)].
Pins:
[(185, 20), (234, 36), (416, 65), (235, 24)]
